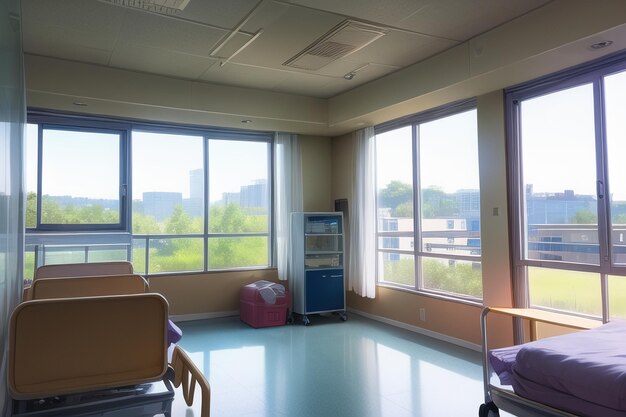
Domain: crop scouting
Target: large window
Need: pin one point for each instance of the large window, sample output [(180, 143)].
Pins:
[(74, 178), (430, 240), (569, 143), (171, 199), (239, 198)]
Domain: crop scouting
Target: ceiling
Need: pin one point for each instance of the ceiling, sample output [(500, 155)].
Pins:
[(245, 43)]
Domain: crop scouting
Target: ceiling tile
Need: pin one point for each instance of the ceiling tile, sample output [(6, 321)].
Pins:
[(462, 19), (221, 13), (163, 32), (370, 10), (243, 75), (158, 61), (88, 16), (68, 44), (311, 85)]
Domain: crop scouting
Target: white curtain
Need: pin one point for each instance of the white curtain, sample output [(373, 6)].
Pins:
[(287, 196), (362, 262)]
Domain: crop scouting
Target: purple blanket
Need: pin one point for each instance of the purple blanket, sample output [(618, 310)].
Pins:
[(502, 361), (588, 366)]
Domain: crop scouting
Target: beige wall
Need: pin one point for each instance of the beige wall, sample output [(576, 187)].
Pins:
[(316, 173), (454, 319), (214, 292)]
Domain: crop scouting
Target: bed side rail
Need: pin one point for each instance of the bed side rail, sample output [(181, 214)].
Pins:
[(187, 374)]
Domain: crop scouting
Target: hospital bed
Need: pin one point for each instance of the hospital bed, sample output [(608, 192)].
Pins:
[(83, 337), (567, 355)]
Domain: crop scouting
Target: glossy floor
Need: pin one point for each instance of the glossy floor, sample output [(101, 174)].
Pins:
[(358, 368)]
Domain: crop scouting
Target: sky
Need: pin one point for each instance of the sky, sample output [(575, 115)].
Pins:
[(558, 139), (448, 154), (161, 162)]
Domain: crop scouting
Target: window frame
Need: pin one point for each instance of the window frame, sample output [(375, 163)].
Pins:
[(64, 124), (417, 251), (588, 73), (86, 235)]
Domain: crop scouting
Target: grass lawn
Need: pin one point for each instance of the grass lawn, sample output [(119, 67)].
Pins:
[(575, 291)]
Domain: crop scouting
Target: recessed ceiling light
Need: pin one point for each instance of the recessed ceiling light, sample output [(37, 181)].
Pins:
[(79, 103), (246, 121), (600, 45), (349, 75)]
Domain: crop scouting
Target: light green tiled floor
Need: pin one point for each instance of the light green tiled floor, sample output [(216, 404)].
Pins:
[(358, 368)]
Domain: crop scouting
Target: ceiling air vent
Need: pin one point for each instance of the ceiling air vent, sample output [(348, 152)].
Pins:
[(344, 39), (169, 7)]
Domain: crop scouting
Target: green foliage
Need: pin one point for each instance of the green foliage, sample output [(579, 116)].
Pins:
[(436, 203), (396, 193), (180, 223), (172, 254), (461, 278), (404, 210), (232, 219), (401, 271), (54, 213), (31, 210), (146, 225), (187, 254), (584, 216)]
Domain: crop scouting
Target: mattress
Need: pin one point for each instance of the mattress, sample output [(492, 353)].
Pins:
[(582, 372), (502, 361)]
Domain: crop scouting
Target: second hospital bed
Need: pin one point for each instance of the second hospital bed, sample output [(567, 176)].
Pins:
[(577, 374)]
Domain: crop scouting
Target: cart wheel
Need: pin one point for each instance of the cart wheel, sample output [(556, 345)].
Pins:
[(306, 320), (488, 410), (290, 319), (343, 316)]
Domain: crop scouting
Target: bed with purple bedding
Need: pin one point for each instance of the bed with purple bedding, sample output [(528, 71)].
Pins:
[(583, 373)]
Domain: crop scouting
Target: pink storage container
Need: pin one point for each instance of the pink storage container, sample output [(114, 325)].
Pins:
[(255, 306)]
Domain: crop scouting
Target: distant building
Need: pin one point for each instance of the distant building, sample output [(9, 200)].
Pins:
[(230, 198), (556, 208), (161, 204), (196, 184), (194, 207), (254, 195), (468, 202)]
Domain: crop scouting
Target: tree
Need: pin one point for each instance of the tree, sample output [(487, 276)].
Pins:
[(395, 194), (436, 203), (584, 216), (31, 209), (179, 222)]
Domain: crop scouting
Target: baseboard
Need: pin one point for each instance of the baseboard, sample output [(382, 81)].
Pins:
[(416, 329), (203, 316)]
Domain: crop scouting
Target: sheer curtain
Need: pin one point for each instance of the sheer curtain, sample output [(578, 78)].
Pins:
[(362, 257), (287, 196)]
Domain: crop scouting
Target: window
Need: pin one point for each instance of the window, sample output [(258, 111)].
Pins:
[(570, 190), (239, 198), (416, 155), (168, 201), (199, 199), (74, 178)]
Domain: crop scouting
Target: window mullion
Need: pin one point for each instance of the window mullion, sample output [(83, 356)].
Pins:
[(417, 235), (602, 191), (205, 163)]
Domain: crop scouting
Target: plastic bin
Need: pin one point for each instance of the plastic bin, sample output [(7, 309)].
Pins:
[(263, 304)]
